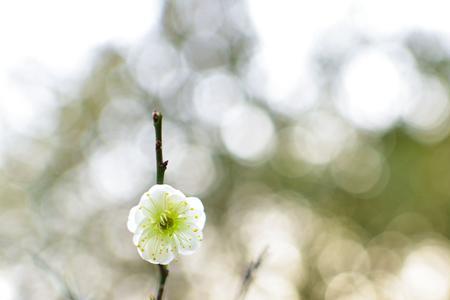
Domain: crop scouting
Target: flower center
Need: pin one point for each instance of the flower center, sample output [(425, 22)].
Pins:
[(165, 221)]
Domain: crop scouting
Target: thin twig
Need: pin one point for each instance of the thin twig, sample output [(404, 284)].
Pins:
[(161, 167), (164, 273), (66, 290), (250, 274)]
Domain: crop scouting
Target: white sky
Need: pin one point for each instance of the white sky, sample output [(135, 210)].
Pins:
[(59, 34), (57, 38)]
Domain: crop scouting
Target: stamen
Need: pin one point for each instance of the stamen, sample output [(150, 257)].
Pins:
[(165, 221)]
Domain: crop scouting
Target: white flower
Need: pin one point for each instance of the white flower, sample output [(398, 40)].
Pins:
[(166, 223)]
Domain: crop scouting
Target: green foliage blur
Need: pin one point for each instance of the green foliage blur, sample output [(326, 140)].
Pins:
[(341, 208)]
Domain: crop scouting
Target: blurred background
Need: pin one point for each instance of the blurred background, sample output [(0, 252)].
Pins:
[(317, 129)]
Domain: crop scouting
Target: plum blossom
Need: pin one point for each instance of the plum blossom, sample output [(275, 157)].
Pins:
[(166, 223)]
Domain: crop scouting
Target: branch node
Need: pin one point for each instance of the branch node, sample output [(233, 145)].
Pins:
[(156, 116), (158, 144)]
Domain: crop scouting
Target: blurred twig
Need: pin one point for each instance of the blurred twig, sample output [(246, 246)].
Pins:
[(66, 290), (250, 273)]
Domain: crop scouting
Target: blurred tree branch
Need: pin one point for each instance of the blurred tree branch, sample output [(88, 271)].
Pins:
[(250, 273), (66, 289)]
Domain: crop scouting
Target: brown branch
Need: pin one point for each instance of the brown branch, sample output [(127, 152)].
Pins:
[(164, 271), (161, 167)]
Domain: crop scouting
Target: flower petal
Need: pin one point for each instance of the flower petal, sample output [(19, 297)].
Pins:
[(196, 214), (135, 218), (158, 250), (137, 238), (177, 197), (196, 218), (195, 203), (188, 242), (155, 199), (157, 191), (149, 205), (165, 257)]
